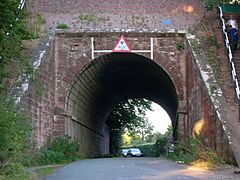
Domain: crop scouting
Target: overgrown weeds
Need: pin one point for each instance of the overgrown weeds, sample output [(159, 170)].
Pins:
[(192, 149), (36, 25), (58, 151), (14, 130), (88, 18), (62, 26), (45, 171), (210, 4)]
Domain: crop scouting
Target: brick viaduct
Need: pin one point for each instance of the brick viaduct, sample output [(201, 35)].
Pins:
[(82, 82)]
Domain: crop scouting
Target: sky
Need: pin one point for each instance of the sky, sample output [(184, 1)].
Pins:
[(158, 118)]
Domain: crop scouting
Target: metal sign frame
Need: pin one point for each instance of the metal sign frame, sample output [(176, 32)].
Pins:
[(109, 51)]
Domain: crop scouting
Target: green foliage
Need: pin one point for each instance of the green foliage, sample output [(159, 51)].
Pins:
[(161, 145), (212, 41), (162, 141), (181, 157), (136, 139), (45, 171), (40, 19), (210, 4), (12, 33), (91, 18), (13, 133), (62, 26), (195, 46), (193, 149), (213, 89), (37, 25), (125, 115), (14, 128), (213, 60), (36, 82), (59, 150), (156, 148), (179, 46), (228, 1), (142, 129)]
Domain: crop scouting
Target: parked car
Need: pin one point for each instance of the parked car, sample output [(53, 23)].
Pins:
[(134, 152), (124, 152)]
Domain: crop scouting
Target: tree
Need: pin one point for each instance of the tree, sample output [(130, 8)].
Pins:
[(125, 116), (12, 32), (143, 129), (14, 128), (162, 141)]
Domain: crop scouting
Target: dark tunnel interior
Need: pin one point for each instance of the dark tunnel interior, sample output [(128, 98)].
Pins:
[(114, 78)]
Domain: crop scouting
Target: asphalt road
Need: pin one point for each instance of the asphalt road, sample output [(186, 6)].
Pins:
[(136, 169)]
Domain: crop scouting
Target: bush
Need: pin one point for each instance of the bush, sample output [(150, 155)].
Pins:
[(160, 146), (192, 149), (210, 4), (62, 26), (59, 150), (13, 133)]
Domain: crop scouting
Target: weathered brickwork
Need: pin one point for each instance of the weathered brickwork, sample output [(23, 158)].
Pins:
[(201, 109), (75, 90), (40, 100)]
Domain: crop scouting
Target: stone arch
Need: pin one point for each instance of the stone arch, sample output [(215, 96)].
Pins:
[(108, 80)]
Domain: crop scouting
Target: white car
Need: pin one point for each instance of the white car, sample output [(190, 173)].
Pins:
[(134, 152), (124, 152)]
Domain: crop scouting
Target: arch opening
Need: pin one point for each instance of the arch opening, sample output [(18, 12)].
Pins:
[(136, 122), (107, 81)]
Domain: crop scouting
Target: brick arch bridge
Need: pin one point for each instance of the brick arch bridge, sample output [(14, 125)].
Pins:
[(83, 80), (111, 79)]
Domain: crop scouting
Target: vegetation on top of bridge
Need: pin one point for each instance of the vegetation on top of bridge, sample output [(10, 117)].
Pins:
[(210, 4)]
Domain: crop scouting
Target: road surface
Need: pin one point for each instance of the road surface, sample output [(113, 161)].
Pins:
[(142, 168)]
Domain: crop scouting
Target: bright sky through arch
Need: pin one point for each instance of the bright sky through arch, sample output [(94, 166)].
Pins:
[(158, 118)]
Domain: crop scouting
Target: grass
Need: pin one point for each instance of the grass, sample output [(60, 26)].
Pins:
[(212, 41), (181, 157), (179, 46), (192, 150), (45, 171), (195, 46), (37, 25), (62, 26), (91, 18), (213, 89)]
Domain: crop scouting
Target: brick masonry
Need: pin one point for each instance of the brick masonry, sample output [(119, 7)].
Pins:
[(68, 105)]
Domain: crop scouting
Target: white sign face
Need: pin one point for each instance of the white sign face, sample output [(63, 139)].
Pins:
[(122, 45)]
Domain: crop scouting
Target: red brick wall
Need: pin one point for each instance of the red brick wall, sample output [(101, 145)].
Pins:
[(40, 100), (70, 53), (200, 107)]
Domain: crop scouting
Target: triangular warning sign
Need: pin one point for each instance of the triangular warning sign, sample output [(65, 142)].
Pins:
[(122, 45)]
